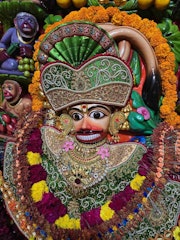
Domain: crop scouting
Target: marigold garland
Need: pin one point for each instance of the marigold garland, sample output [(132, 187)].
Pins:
[(148, 27), (126, 208), (33, 158), (106, 213)]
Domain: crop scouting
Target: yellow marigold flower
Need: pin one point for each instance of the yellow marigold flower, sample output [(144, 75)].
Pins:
[(144, 200), (106, 212), (38, 189), (137, 182), (33, 158), (114, 228), (68, 223), (130, 216), (176, 233)]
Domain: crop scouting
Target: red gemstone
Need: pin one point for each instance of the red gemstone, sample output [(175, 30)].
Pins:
[(77, 181)]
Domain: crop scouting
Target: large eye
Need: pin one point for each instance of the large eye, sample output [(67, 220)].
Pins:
[(96, 114), (10, 87), (77, 116), (30, 20)]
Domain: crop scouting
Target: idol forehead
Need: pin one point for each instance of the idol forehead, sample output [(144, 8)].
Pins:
[(87, 107)]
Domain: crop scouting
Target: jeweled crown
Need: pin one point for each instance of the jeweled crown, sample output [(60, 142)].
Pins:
[(104, 79), (80, 63)]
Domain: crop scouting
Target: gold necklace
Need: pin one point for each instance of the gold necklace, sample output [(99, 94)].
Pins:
[(22, 40), (13, 106), (82, 167)]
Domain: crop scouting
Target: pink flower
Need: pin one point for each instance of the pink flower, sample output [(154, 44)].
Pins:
[(144, 111), (103, 152), (69, 145)]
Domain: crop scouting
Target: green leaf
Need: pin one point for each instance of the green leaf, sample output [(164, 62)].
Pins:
[(135, 65), (132, 4), (171, 32)]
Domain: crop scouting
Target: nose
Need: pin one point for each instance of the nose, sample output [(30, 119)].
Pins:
[(86, 123)]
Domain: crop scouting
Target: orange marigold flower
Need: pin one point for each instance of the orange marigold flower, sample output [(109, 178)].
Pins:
[(84, 14), (71, 16), (98, 14), (51, 27), (171, 103), (175, 120), (36, 77), (36, 66), (171, 58), (33, 90), (166, 65), (162, 50), (111, 11), (132, 20), (41, 37), (169, 76), (37, 104), (165, 110), (147, 25), (118, 18), (101, 17), (157, 38), (149, 33)]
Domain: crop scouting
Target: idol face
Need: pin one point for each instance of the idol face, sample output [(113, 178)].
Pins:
[(10, 90), (91, 122)]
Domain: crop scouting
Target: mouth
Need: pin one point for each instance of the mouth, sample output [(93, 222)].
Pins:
[(90, 136), (26, 29), (7, 96)]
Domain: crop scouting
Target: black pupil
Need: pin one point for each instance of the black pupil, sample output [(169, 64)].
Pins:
[(76, 116), (97, 115)]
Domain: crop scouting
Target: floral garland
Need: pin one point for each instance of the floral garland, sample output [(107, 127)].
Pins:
[(55, 212), (41, 214), (39, 192), (165, 57)]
